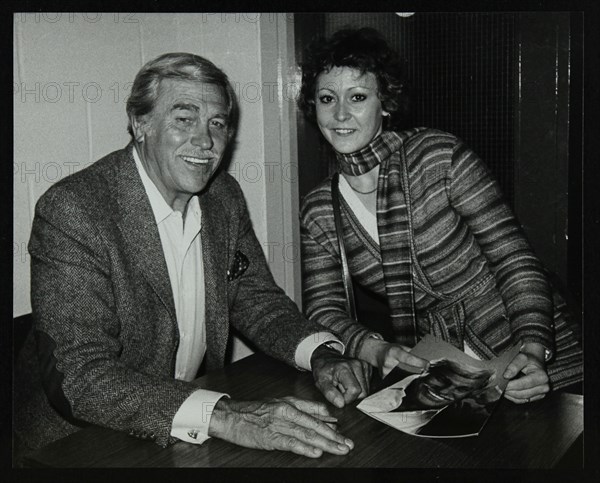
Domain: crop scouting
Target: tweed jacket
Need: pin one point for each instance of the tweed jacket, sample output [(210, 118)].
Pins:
[(474, 276), (103, 309)]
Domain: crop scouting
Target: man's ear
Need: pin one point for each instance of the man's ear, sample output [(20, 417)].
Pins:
[(138, 125)]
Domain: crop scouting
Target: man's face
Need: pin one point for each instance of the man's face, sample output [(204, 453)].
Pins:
[(441, 387), (184, 138)]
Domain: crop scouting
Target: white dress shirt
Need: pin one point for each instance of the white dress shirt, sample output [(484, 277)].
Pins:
[(182, 248)]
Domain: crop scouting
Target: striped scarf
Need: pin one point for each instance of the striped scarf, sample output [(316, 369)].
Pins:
[(364, 160), (393, 223)]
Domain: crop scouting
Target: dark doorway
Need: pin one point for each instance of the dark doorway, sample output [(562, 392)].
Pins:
[(508, 84)]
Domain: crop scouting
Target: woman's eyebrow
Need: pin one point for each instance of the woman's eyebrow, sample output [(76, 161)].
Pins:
[(363, 87)]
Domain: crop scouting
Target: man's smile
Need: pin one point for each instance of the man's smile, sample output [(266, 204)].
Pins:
[(343, 131), (198, 161)]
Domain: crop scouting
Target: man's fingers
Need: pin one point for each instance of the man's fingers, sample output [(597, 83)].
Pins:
[(367, 370), (315, 439), (362, 373), (334, 396), (278, 424), (348, 379), (341, 379), (315, 432), (286, 442), (361, 376), (316, 409)]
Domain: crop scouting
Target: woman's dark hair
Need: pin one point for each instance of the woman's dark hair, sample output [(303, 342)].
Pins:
[(364, 49)]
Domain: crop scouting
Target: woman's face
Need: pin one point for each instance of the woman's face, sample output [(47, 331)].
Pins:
[(349, 112)]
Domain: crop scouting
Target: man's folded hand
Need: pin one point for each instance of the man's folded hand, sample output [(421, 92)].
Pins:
[(341, 379)]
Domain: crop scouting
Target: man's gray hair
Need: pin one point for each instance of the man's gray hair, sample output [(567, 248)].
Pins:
[(177, 65)]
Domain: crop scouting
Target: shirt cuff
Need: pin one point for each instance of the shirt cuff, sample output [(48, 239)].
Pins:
[(192, 419), (307, 346)]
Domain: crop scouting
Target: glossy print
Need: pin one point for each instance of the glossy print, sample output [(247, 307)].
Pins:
[(349, 111)]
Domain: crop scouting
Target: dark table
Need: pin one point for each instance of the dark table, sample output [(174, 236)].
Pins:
[(536, 435)]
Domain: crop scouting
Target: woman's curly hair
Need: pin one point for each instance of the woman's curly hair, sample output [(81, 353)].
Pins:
[(364, 49)]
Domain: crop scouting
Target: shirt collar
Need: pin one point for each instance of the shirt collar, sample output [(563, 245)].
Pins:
[(160, 207)]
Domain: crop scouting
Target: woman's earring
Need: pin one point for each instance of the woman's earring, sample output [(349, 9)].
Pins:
[(385, 113)]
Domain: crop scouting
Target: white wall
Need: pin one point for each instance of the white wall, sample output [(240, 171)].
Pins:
[(72, 73)]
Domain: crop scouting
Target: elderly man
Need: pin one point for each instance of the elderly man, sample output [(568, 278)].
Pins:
[(141, 262)]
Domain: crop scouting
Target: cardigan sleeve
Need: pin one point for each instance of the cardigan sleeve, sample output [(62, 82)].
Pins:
[(323, 289), (520, 278)]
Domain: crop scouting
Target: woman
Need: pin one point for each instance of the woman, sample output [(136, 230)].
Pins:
[(425, 226)]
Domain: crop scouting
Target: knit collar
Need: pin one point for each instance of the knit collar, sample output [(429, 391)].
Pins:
[(365, 159)]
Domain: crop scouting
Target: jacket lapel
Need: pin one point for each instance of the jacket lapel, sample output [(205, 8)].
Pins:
[(215, 246), (138, 226)]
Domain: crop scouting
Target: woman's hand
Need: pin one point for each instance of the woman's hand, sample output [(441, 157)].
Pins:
[(533, 384), (385, 356)]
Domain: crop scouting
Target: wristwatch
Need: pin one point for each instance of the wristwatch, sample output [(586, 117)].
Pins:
[(547, 353)]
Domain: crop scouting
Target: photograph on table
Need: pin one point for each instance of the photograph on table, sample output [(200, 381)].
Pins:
[(454, 397)]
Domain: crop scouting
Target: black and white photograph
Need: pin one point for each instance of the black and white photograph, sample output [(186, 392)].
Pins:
[(279, 239), (453, 397)]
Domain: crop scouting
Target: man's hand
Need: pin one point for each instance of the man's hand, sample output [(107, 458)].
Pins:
[(340, 379), (532, 385), (287, 424), (386, 356)]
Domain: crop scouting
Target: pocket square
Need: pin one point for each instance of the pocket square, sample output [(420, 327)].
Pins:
[(239, 266)]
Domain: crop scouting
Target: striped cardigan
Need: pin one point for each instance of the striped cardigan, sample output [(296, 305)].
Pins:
[(475, 279)]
